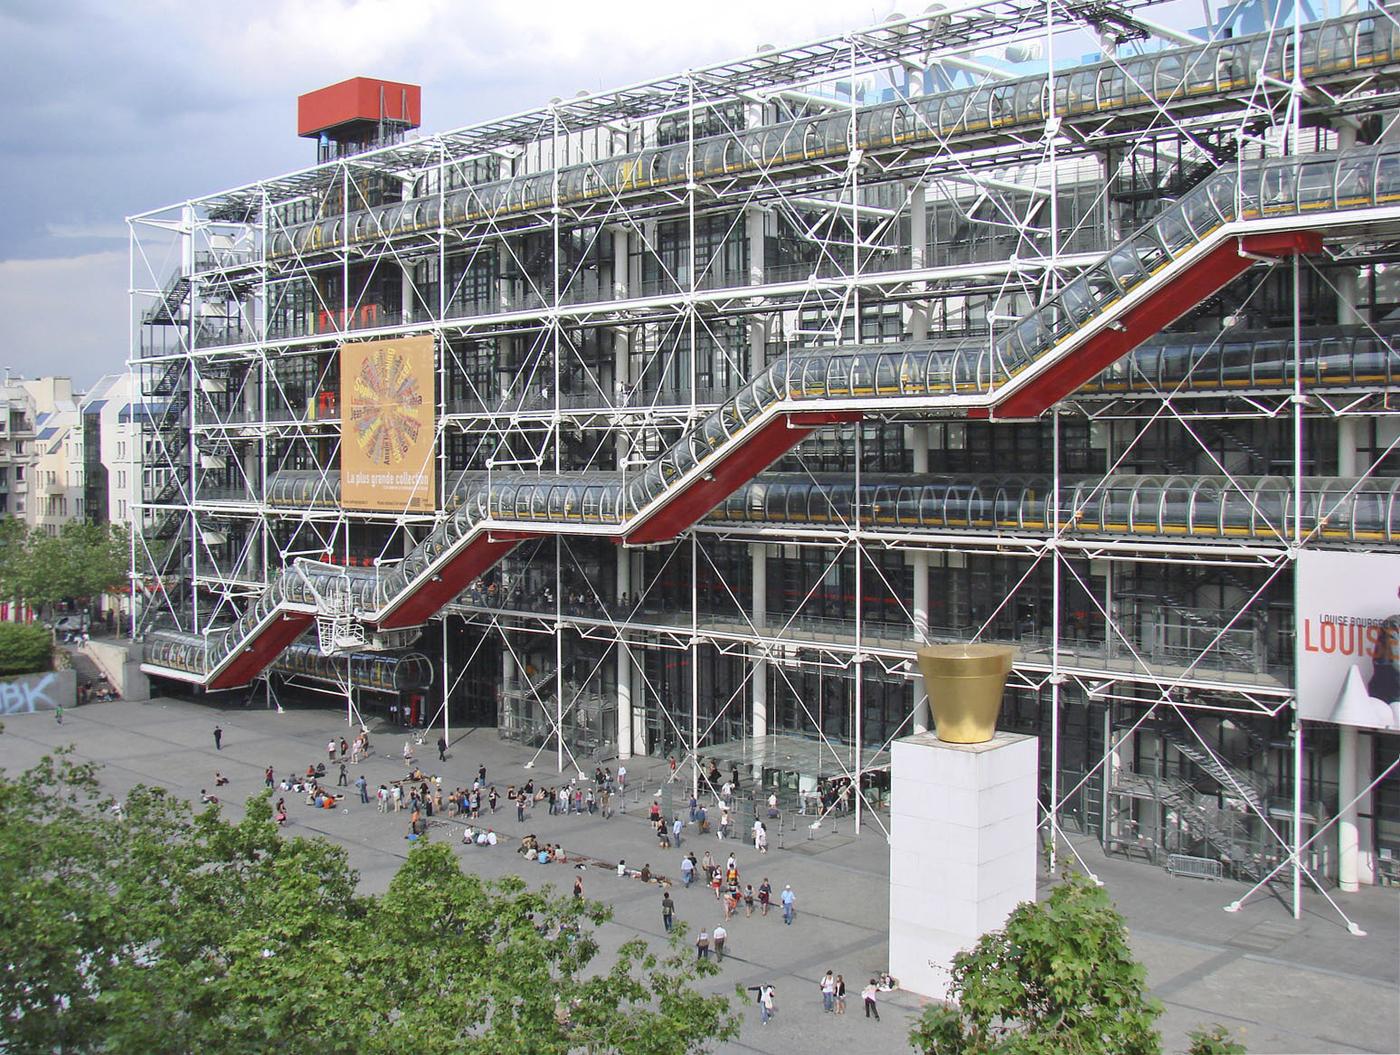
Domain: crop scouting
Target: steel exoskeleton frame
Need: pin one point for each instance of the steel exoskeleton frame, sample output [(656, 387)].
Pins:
[(586, 333)]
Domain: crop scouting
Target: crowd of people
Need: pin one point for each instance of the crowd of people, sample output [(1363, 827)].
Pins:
[(425, 798)]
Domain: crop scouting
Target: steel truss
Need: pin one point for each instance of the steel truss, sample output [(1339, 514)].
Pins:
[(582, 332)]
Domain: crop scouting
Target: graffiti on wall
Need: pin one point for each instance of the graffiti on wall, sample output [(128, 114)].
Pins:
[(27, 695)]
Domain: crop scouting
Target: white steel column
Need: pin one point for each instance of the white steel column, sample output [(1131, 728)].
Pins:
[(507, 687), (624, 661), (918, 443), (918, 258), (1348, 841), (406, 270), (755, 221), (758, 723), (639, 704)]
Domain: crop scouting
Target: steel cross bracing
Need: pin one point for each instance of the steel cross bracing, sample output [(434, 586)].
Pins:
[(918, 40), (557, 319)]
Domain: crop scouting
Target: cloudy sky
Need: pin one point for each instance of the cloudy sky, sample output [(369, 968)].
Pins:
[(117, 108)]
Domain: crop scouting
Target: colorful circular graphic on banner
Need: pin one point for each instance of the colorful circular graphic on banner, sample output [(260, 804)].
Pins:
[(386, 407)]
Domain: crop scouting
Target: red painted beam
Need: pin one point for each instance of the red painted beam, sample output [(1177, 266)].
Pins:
[(452, 578), (1163, 307), (262, 650), (761, 450)]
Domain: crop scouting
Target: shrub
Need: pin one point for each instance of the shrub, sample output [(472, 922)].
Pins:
[(24, 649)]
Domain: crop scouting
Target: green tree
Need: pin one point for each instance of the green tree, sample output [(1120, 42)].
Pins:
[(13, 538), (1214, 1041), (155, 931), (1057, 979), (24, 649), (82, 561)]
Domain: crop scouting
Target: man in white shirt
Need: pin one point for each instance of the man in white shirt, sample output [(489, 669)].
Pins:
[(717, 936)]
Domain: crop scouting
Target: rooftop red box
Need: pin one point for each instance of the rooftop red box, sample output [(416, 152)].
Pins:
[(360, 99)]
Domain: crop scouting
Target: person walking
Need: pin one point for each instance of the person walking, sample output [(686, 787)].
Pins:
[(382, 795), (828, 988), (719, 935), (268, 778), (761, 840), (765, 1004), (702, 945), (868, 995), (687, 870), (344, 779), (58, 713), (330, 750), (578, 888), (442, 749), (765, 894), (668, 911), (840, 995), (520, 808), (788, 898), (218, 739), (344, 748), (676, 826), (362, 784), (748, 901)]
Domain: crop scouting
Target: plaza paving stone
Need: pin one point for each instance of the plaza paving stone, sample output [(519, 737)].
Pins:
[(1285, 985)]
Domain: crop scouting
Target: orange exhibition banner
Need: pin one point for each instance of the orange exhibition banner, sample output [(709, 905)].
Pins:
[(387, 425)]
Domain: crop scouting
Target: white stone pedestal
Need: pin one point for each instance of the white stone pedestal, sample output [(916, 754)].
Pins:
[(962, 849)]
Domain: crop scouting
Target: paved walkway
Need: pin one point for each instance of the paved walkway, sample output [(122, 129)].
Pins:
[(1289, 986)]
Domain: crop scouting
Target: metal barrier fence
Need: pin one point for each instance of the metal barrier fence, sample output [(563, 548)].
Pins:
[(1193, 867)]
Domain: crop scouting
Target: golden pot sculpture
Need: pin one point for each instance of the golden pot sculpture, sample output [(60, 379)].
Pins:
[(965, 685)]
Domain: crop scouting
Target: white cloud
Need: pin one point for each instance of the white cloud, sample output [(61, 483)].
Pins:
[(65, 315)]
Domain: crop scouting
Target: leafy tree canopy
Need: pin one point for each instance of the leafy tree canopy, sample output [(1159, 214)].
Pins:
[(83, 560), (1058, 979), (155, 931)]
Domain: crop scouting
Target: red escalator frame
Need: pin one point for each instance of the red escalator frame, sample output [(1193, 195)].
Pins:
[(1160, 309), (452, 578), (262, 650), (761, 450)]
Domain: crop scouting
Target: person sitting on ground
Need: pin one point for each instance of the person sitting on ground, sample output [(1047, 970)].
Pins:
[(529, 845), (310, 772), (207, 798), (645, 874), (469, 835), (219, 779), (543, 855), (320, 770), (621, 869)]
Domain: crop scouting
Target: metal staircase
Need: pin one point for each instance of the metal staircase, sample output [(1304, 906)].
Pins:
[(172, 300), (1242, 214)]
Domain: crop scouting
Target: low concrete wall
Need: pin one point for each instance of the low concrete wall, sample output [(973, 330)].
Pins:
[(38, 692), (121, 662)]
